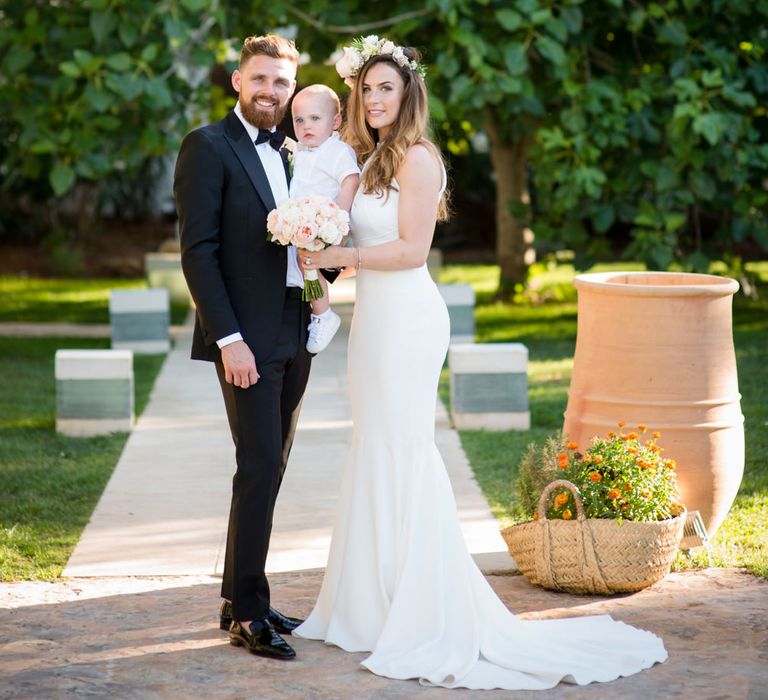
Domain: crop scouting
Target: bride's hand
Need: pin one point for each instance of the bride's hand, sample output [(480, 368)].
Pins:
[(331, 257)]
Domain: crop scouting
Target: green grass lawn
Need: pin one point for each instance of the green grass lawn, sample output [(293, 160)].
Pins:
[(64, 300), (49, 484), (548, 329)]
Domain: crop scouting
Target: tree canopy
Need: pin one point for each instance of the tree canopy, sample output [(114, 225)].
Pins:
[(608, 119)]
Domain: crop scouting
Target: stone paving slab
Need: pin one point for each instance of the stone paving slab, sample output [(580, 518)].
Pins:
[(158, 638)]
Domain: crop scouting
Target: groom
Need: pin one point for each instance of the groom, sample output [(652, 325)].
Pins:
[(250, 320)]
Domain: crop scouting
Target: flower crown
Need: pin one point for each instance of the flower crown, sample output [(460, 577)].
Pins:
[(364, 48)]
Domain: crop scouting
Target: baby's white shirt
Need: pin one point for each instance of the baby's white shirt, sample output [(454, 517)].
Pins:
[(321, 170)]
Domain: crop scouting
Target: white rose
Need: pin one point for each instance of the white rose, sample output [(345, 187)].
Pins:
[(388, 47), (398, 55), (347, 64)]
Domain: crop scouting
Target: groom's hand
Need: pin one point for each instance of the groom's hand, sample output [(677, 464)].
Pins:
[(239, 364)]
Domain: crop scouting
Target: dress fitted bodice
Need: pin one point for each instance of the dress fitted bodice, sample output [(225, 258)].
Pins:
[(373, 218)]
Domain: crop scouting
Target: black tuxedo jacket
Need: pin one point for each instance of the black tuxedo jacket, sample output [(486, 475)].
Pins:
[(235, 275)]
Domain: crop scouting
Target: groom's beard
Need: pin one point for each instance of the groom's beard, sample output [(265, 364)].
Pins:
[(262, 119)]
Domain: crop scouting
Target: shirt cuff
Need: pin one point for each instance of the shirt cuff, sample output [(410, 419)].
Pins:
[(229, 340)]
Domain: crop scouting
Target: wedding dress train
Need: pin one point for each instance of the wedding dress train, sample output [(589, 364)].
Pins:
[(400, 582)]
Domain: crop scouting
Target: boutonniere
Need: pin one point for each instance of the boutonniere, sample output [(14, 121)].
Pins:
[(287, 150)]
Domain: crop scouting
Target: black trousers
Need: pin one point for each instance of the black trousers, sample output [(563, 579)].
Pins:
[(263, 420)]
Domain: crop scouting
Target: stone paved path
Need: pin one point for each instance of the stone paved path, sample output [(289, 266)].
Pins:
[(150, 638), (112, 630)]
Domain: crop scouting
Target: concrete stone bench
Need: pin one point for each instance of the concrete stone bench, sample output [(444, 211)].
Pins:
[(163, 271), (489, 386), (140, 320), (94, 392), (460, 300)]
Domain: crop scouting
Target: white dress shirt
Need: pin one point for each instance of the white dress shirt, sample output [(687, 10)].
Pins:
[(275, 170)]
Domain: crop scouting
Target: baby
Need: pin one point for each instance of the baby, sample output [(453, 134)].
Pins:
[(323, 165)]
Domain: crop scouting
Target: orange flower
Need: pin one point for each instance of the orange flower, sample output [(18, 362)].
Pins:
[(610, 436), (657, 435), (624, 506), (632, 450), (642, 464), (595, 477), (642, 428), (613, 494), (656, 448), (633, 436), (572, 445), (621, 424), (646, 495), (670, 463), (597, 459), (624, 437), (536, 515), (561, 456), (627, 487), (561, 499), (567, 514), (587, 459)]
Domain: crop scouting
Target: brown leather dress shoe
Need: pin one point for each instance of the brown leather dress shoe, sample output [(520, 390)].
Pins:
[(282, 623), (261, 639)]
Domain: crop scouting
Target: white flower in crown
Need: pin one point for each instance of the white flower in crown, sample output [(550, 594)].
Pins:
[(367, 47)]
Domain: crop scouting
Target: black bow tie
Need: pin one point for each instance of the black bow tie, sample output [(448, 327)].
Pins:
[(274, 138)]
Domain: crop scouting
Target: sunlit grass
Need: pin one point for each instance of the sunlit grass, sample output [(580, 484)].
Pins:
[(545, 322), (50, 483), (65, 300)]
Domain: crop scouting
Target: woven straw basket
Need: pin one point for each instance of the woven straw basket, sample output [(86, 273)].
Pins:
[(592, 555)]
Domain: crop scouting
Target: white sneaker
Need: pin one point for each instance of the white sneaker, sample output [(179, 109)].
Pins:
[(321, 331)]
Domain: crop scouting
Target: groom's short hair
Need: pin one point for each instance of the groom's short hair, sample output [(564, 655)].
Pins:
[(271, 45)]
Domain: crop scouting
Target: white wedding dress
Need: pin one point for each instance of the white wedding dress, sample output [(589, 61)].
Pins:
[(400, 582)]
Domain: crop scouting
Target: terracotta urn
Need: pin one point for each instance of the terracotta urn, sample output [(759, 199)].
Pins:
[(656, 348)]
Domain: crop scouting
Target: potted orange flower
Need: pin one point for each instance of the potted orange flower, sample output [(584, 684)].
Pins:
[(606, 518)]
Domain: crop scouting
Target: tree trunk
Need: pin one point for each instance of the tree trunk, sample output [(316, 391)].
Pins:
[(514, 238)]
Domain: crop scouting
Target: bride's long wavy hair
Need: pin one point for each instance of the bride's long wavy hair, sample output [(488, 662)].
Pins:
[(410, 127)]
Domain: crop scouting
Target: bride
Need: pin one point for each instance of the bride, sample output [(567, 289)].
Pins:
[(400, 583)]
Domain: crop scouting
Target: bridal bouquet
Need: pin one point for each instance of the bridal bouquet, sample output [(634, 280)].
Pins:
[(309, 223)]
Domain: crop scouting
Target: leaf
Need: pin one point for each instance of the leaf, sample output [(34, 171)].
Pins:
[(18, 58), (149, 53), (603, 218), (158, 92), (739, 97), (62, 177), (712, 78), (557, 28), (515, 58), (551, 50), (82, 57), (128, 33), (102, 24), (70, 68), (674, 32), (710, 125), (573, 19), (101, 100), (674, 220), (43, 146), (509, 19), (119, 61)]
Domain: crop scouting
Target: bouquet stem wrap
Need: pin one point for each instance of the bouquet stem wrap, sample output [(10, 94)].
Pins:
[(312, 288)]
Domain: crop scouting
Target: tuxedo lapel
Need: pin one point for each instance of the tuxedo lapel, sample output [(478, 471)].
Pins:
[(238, 139)]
